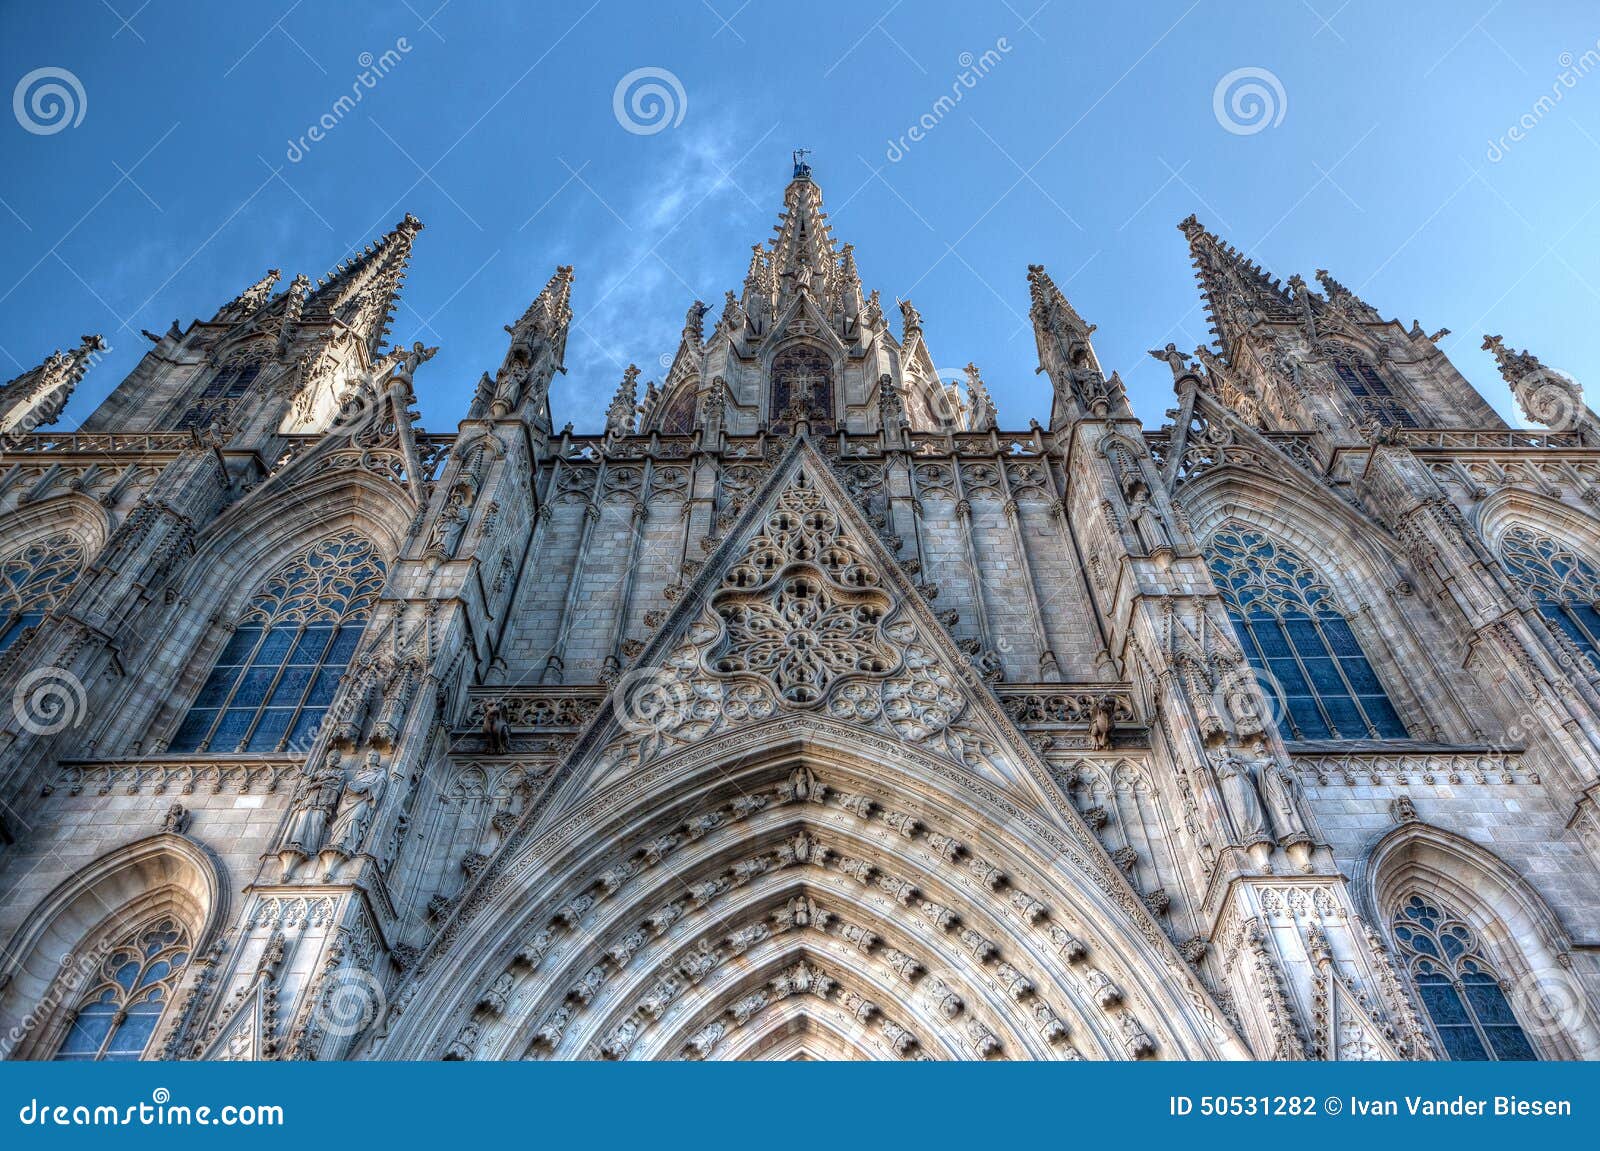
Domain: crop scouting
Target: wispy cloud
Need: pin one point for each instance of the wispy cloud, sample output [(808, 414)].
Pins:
[(676, 238)]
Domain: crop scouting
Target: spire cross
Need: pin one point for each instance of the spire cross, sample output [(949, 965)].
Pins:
[(802, 170)]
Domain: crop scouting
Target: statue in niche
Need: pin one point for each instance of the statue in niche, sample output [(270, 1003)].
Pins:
[(1236, 779), (1279, 790), (452, 524)]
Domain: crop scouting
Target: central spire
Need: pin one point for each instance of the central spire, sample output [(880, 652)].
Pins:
[(802, 340)]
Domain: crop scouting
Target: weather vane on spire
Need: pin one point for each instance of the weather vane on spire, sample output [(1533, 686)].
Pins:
[(802, 170)]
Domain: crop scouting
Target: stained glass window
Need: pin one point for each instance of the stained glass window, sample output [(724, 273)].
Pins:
[(276, 677), (1564, 585), (1457, 985), (1295, 636), (1373, 395), (231, 381), (31, 581), (134, 984)]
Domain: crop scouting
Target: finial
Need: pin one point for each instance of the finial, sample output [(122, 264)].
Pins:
[(802, 170)]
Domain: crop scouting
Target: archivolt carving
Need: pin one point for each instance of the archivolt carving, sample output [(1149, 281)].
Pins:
[(800, 890)]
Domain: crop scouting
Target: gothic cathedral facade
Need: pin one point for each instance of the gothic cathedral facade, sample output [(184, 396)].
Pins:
[(804, 712)]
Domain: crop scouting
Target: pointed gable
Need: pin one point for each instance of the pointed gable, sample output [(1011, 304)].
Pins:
[(802, 613)]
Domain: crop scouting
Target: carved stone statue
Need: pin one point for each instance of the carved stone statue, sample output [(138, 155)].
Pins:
[(1174, 359), (417, 356), (312, 807), (357, 806), (1236, 779), (1102, 722), (452, 522), (1281, 794)]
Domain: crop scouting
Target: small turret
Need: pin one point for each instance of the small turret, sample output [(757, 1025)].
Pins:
[(1546, 396), (248, 302), (1067, 354), (982, 416), (537, 350), (625, 404)]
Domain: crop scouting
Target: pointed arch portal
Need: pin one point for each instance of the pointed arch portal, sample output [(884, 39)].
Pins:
[(794, 888)]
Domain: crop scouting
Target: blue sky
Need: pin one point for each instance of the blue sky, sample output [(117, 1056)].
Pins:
[(1092, 131)]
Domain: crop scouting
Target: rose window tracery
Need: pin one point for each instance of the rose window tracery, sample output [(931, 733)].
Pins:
[(802, 609)]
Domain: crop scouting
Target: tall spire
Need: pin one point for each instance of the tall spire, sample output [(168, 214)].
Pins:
[(801, 256), (1238, 293), (361, 292), (35, 398)]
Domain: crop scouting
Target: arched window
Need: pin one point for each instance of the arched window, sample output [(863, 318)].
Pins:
[(275, 679), (1372, 395), (1457, 985), (802, 384), (32, 579), (1292, 630), (1564, 585), (133, 985), (230, 382)]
